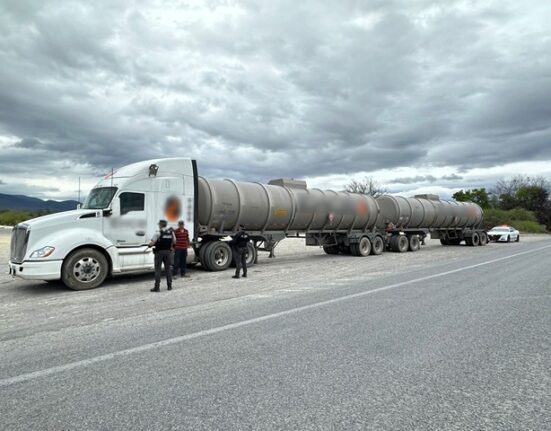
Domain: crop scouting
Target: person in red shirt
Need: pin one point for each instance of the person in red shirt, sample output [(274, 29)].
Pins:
[(180, 249)]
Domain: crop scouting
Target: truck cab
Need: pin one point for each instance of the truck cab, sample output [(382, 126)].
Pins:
[(109, 234)]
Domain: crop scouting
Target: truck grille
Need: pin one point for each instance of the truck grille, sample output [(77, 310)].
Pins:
[(19, 240)]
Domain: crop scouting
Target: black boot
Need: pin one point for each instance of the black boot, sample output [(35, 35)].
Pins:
[(155, 289), (245, 275), (236, 276), (169, 287)]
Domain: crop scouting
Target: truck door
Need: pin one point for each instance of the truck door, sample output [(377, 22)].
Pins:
[(126, 225)]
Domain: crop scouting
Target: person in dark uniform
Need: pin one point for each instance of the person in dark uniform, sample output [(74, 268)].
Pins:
[(163, 242), (239, 247)]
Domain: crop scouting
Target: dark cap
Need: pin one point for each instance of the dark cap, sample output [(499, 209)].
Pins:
[(163, 222), (180, 222)]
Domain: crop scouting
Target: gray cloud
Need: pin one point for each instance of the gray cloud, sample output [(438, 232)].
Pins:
[(279, 89), (451, 177), (425, 179), (412, 180)]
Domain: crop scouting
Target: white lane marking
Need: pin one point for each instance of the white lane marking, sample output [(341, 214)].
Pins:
[(175, 340)]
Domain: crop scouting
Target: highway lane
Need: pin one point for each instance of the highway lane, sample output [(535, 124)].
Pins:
[(464, 347)]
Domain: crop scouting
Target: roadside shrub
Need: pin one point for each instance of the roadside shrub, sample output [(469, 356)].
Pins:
[(527, 226), (523, 220), (12, 217)]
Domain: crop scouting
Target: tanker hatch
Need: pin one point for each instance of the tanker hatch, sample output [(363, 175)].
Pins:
[(289, 183)]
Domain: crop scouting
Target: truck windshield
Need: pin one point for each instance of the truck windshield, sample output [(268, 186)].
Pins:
[(99, 198)]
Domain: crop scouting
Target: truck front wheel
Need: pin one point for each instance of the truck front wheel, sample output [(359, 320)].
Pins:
[(84, 269)]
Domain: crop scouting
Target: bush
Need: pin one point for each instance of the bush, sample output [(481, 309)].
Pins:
[(527, 226), (12, 217), (523, 220)]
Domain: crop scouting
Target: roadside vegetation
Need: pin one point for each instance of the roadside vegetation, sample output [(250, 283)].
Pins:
[(523, 202), (12, 217)]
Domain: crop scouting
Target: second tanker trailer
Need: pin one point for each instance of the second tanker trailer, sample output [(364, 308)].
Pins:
[(340, 222), (109, 234)]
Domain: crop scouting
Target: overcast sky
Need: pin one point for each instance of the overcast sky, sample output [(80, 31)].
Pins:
[(422, 95)]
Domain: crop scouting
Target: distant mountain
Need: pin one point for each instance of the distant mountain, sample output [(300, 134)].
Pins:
[(26, 203)]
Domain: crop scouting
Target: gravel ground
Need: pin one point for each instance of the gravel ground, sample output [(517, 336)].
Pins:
[(296, 268)]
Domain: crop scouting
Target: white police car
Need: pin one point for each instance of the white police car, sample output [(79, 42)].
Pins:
[(504, 233)]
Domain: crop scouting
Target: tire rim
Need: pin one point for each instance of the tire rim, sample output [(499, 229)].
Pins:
[(364, 247), (220, 256), (86, 269), (379, 244)]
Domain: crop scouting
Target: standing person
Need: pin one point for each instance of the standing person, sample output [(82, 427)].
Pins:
[(180, 250), (239, 246), (163, 242)]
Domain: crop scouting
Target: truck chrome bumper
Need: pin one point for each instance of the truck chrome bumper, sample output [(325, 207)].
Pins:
[(47, 270)]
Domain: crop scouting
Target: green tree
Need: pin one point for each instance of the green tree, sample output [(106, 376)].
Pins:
[(478, 196)]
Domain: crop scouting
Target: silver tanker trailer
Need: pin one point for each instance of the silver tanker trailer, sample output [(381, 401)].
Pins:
[(109, 234), (340, 222)]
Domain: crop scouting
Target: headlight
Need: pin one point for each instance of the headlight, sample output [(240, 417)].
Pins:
[(42, 252)]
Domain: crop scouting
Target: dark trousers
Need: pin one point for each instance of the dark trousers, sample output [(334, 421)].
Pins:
[(180, 258), (240, 258), (163, 258)]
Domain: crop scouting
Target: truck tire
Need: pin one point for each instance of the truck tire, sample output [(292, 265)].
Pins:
[(362, 248), (475, 240), (84, 269), (251, 254), (201, 253), (365, 246), (217, 256), (331, 249), (444, 241), (413, 243), (378, 246), (347, 250), (483, 238), (399, 243)]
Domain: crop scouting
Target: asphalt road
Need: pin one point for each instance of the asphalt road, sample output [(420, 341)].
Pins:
[(454, 344)]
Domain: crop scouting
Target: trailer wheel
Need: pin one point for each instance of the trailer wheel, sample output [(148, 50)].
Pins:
[(202, 251), (251, 254), (345, 249), (217, 256), (413, 243), (378, 246), (363, 248), (483, 238), (331, 249), (399, 243), (474, 240), (84, 269), (444, 241)]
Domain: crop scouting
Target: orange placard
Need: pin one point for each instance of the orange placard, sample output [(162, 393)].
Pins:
[(173, 208), (362, 208)]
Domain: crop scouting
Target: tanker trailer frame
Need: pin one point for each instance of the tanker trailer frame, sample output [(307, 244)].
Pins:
[(340, 222)]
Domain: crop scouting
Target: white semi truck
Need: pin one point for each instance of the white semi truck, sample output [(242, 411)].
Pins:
[(109, 234)]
